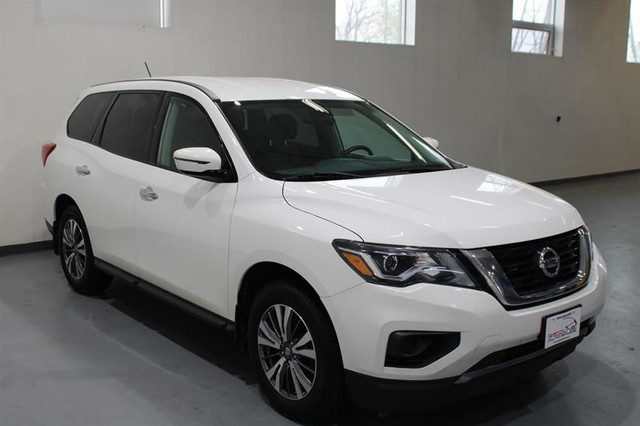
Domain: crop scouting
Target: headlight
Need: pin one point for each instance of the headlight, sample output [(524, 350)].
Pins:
[(402, 266)]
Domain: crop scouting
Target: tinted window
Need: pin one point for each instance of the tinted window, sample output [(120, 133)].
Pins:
[(355, 127), (87, 115), (185, 125), (328, 139), (129, 125)]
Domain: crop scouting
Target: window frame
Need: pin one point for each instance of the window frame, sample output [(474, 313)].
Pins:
[(407, 30), (534, 26), (555, 30)]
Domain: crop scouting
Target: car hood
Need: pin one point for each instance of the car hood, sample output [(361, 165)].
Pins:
[(460, 208)]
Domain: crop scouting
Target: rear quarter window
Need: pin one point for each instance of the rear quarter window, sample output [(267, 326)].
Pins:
[(85, 118)]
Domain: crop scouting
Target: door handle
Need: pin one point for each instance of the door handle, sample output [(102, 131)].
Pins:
[(147, 194), (83, 170)]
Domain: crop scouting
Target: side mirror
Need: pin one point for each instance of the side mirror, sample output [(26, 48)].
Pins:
[(431, 141), (197, 160)]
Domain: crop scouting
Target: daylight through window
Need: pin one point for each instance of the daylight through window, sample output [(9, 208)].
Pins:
[(537, 26), (152, 13), (376, 21), (633, 47)]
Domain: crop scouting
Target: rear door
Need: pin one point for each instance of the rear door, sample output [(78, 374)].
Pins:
[(112, 172), (183, 222)]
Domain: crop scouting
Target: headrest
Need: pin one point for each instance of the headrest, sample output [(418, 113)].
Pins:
[(282, 126)]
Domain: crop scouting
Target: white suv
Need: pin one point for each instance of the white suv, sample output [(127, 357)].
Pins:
[(352, 258)]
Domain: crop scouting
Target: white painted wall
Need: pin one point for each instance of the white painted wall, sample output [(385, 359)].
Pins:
[(460, 83)]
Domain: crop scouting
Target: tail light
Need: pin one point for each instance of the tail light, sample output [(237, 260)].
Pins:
[(47, 149)]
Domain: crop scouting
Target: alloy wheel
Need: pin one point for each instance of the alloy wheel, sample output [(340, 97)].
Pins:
[(73, 249), (287, 352)]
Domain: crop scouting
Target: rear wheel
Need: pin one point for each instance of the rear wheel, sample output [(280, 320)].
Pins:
[(294, 353), (76, 255)]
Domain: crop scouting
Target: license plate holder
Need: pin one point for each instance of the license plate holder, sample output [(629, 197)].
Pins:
[(560, 327)]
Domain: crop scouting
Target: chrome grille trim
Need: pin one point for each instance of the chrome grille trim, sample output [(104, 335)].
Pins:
[(504, 291)]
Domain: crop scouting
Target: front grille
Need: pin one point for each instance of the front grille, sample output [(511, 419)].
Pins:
[(519, 262)]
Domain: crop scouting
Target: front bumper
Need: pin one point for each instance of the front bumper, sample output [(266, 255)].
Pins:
[(407, 395), (366, 315)]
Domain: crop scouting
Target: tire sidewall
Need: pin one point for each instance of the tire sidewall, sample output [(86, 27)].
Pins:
[(79, 285), (328, 367)]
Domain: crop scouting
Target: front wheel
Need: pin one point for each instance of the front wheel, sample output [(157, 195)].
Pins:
[(294, 353), (76, 255)]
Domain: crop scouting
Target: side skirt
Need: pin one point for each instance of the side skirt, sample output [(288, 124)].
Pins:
[(164, 295)]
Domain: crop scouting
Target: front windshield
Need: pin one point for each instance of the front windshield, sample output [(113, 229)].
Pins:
[(328, 139)]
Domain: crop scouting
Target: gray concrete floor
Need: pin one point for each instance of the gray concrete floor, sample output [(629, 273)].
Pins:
[(127, 359)]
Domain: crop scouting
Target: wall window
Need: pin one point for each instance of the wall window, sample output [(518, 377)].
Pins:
[(376, 21), (633, 47), (537, 27), (153, 13)]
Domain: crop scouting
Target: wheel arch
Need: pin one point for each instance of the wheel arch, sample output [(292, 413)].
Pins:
[(254, 279)]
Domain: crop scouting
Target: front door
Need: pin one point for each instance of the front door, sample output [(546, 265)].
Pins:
[(183, 221)]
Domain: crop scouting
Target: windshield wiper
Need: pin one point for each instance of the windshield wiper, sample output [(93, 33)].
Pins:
[(371, 173), (324, 176), (420, 169)]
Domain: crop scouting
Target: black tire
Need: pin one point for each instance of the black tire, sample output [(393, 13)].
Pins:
[(326, 394), (76, 255)]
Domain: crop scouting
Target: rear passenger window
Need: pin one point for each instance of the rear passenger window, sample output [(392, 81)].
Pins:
[(87, 115), (129, 125)]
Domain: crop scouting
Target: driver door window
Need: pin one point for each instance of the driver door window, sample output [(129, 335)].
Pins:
[(186, 125)]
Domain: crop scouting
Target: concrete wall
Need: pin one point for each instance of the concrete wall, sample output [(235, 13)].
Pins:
[(460, 83)]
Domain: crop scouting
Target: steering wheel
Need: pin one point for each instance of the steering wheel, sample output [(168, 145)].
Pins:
[(356, 148)]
